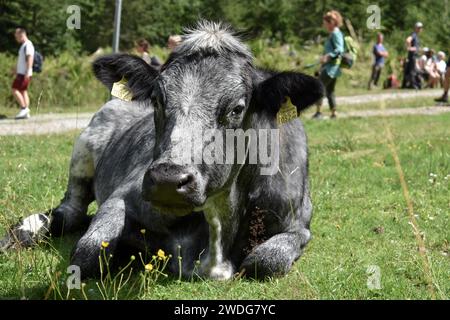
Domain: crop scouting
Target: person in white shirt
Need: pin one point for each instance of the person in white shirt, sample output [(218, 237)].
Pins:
[(441, 66), (430, 70), (24, 72), (423, 60)]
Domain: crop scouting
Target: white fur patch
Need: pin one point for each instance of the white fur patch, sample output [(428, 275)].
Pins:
[(35, 224), (223, 271), (217, 267)]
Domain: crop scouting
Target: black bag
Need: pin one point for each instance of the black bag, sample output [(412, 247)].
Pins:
[(38, 60), (347, 60)]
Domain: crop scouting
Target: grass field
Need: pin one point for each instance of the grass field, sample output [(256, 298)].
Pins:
[(361, 220)]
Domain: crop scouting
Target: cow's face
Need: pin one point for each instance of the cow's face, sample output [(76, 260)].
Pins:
[(195, 102), (199, 98)]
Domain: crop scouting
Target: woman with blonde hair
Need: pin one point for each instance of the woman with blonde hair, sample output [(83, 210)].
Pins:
[(331, 59)]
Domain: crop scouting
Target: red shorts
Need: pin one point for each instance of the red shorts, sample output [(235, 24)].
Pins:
[(20, 83)]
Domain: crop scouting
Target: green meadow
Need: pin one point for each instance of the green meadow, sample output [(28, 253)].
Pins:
[(366, 243)]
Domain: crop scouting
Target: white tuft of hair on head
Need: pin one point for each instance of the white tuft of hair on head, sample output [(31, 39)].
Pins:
[(215, 36)]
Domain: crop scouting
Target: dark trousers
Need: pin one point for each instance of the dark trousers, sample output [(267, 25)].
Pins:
[(376, 72), (411, 77), (329, 84)]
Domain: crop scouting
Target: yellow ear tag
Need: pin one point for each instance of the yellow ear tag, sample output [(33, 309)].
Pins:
[(287, 112), (121, 91)]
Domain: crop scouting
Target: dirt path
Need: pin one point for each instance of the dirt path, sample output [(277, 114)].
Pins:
[(394, 112), (56, 123), (393, 95), (45, 124)]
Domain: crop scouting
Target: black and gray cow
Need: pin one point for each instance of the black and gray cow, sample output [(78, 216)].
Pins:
[(229, 216)]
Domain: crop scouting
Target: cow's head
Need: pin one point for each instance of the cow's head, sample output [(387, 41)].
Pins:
[(208, 85)]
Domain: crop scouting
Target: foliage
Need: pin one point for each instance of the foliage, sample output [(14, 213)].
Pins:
[(287, 21), (67, 83)]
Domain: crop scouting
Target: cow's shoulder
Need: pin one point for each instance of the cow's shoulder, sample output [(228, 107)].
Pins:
[(113, 119), (119, 114)]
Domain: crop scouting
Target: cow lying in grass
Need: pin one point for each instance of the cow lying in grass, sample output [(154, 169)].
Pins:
[(227, 215)]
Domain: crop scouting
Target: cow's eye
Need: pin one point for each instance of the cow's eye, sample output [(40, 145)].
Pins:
[(237, 111)]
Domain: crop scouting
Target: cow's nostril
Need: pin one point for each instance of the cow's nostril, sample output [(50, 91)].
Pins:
[(185, 180)]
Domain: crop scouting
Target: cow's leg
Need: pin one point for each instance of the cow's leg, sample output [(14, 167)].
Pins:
[(70, 215), (106, 228), (275, 256)]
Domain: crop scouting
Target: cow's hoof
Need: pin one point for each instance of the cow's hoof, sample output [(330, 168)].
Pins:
[(86, 257), (262, 267), (223, 271), (67, 220)]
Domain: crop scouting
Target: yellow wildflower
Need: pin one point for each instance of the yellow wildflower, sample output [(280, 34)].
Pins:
[(148, 267), (161, 254), (105, 244)]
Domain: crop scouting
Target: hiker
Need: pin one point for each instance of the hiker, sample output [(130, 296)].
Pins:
[(173, 41), (143, 47), (379, 54), (330, 61), (423, 59), (430, 70), (423, 65), (444, 97), (24, 72), (410, 78), (441, 67)]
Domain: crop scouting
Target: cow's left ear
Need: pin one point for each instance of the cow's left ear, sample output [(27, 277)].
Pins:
[(138, 74), (303, 90)]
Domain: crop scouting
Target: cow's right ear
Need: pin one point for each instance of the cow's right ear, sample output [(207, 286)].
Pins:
[(139, 75), (303, 90)]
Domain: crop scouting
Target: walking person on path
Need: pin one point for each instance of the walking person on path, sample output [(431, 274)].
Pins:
[(24, 72), (330, 61)]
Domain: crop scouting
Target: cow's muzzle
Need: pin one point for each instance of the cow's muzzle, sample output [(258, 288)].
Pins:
[(171, 187)]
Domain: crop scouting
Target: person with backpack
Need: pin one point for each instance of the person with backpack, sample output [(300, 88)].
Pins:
[(331, 60), (24, 72)]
